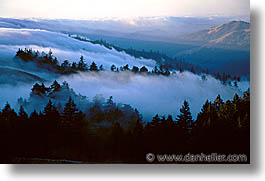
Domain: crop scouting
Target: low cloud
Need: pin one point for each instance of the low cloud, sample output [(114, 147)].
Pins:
[(153, 94)]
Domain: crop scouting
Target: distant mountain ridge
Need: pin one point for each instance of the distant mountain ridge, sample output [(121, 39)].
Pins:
[(223, 48), (231, 35), (142, 28)]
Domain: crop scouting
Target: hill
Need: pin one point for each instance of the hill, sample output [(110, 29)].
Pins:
[(224, 48), (12, 76), (232, 35)]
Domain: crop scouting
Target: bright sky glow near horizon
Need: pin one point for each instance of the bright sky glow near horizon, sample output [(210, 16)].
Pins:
[(87, 9)]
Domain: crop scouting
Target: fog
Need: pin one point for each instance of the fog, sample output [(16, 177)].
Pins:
[(10, 94), (149, 94), (64, 47), (142, 28), (153, 94)]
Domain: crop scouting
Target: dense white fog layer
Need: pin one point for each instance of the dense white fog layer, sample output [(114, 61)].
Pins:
[(153, 94), (64, 47), (149, 94)]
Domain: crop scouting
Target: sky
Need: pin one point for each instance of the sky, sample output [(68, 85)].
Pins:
[(87, 9)]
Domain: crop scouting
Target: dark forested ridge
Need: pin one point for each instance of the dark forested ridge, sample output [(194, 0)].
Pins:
[(48, 61), (107, 132), (162, 60)]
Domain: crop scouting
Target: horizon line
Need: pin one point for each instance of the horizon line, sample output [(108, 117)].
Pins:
[(134, 17)]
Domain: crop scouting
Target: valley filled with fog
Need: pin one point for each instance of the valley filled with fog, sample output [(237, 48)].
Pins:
[(150, 94), (118, 82)]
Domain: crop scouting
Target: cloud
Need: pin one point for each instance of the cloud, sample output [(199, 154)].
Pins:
[(153, 94), (149, 94), (65, 47), (83, 9)]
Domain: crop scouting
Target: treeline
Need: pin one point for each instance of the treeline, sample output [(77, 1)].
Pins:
[(94, 110), (50, 62), (164, 62), (162, 59), (100, 135)]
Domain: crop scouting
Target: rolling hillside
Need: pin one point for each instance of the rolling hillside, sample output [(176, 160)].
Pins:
[(224, 48)]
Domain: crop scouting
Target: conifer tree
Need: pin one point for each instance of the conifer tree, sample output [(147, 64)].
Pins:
[(218, 102), (74, 66), (93, 67), (82, 66), (203, 119), (65, 65), (135, 69), (143, 69), (34, 117), (184, 118), (51, 116), (55, 86), (23, 116), (69, 113), (156, 121)]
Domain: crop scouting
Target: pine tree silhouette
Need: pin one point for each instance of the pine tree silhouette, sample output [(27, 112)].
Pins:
[(184, 119), (93, 67)]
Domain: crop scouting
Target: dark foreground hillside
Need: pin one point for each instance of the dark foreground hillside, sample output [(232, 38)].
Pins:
[(109, 133)]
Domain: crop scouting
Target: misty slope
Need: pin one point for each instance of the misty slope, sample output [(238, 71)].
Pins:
[(219, 49), (224, 48), (151, 94), (14, 77), (64, 47), (232, 35)]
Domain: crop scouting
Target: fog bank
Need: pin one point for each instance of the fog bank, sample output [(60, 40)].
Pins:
[(153, 94)]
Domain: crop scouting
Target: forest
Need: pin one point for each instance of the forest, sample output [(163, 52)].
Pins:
[(107, 132), (49, 62), (164, 61)]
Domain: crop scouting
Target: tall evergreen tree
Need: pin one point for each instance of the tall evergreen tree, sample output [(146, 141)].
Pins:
[(156, 121), (52, 116), (34, 117), (74, 66), (69, 113), (203, 118), (82, 66), (8, 114), (184, 119), (23, 116), (218, 102)]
